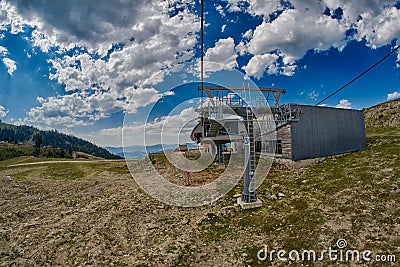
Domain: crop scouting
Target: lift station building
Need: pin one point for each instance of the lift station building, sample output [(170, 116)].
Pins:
[(319, 132), (302, 131)]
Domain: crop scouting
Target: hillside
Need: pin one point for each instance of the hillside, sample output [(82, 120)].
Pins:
[(386, 114), (50, 139), (94, 214)]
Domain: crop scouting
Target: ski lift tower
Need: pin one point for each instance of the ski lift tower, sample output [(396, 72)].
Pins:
[(247, 103)]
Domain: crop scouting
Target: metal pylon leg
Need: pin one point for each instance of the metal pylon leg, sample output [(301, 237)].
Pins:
[(249, 190)]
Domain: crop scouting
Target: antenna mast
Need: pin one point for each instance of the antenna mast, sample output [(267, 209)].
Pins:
[(202, 59)]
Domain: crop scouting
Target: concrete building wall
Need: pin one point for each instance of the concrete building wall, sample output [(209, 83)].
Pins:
[(324, 131)]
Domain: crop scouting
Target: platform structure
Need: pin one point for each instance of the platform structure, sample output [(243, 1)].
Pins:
[(244, 115)]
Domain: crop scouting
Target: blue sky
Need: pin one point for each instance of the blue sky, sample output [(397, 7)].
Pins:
[(81, 66)]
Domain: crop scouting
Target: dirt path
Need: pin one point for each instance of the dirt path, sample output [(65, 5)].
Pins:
[(63, 161)]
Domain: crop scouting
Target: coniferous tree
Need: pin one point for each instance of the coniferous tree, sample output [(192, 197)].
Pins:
[(38, 141)]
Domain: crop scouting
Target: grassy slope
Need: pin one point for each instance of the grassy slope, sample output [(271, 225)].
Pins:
[(94, 213), (355, 197), (12, 151)]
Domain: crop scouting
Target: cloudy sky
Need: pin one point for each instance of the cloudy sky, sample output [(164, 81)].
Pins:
[(81, 66)]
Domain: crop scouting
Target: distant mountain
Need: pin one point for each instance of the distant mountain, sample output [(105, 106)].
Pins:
[(132, 152), (135, 151), (25, 135)]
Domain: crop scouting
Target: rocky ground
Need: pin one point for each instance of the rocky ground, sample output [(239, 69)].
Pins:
[(383, 115)]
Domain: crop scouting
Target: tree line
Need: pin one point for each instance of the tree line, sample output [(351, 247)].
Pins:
[(51, 139)]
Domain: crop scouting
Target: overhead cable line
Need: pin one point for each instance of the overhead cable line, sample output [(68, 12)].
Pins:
[(355, 79)]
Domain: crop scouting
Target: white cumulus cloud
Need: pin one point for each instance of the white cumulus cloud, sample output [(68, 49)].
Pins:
[(83, 108), (94, 24), (221, 56), (344, 103), (3, 51), (379, 29), (3, 112), (398, 59), (10, 64), (292, 34), (223, 28), (393, 95), (261, 63), (291, 29)]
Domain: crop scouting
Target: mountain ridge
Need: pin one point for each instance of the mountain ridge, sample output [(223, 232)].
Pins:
[(24, 135)]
